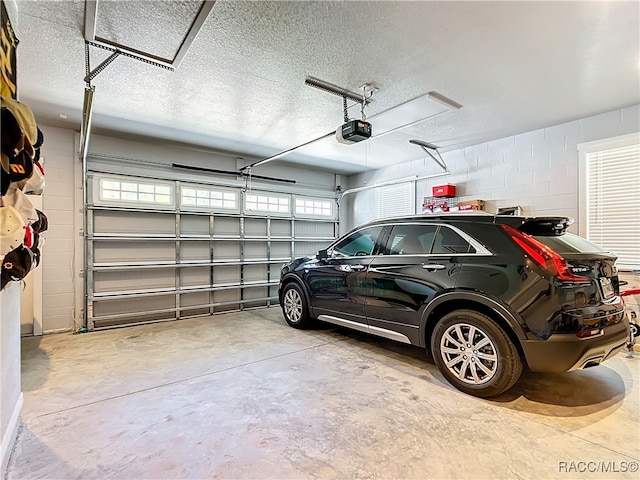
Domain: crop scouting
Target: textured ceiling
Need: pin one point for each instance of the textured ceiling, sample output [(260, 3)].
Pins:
[(513, 66), (155, 27)]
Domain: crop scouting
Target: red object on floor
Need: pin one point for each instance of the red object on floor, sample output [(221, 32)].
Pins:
[(632, 291)]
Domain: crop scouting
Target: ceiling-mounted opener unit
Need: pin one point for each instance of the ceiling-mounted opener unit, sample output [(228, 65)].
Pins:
[(352, 131)]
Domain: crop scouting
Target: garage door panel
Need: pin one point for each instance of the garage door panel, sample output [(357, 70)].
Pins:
[(255, 227), (123, 281), (139, 223), (133, 251), (226, 250), (229, 298), (226, 274), (255, 250), (194, 304), (194, 299), (133, 319), (194, 225), (280, 249), (254, 273), (195, 251), (280, 228), (272, 292), (226, 226), (258, 294), (314, 229), (309, 248), (195, 276), (140, 305)]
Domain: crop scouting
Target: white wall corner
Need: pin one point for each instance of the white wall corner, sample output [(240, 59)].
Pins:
[(10, 436)]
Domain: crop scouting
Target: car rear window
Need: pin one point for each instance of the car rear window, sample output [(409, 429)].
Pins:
[(568, 243), (448, 241)]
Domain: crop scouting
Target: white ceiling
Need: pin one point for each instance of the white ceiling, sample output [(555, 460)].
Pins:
[(513, 66)]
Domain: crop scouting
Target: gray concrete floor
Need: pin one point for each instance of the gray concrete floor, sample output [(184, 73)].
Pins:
[(244, 396)]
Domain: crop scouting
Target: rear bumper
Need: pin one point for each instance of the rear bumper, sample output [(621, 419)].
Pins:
[(566, 352)]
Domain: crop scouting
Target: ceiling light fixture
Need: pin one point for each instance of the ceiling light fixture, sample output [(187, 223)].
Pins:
[(411, 112)]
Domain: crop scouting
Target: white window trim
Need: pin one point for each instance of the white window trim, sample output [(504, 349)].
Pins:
[(210, 188), (583, 190), (97, 187), (331, 201), (267, 213)]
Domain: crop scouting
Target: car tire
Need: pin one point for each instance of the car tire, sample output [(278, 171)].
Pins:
[(474, 354), (295, 308)]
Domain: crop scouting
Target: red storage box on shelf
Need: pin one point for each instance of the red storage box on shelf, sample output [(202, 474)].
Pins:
[(447, 190)]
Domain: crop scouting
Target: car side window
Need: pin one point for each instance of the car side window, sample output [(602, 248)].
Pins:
[(410, 240), (448, 241), (358, 243)]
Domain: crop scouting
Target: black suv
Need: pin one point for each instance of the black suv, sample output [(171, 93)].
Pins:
[(486, 294)]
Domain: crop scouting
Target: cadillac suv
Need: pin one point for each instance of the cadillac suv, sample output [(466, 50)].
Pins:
[(485, 294)]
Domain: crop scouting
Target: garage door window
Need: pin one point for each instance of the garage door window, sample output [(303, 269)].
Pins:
[(313, 207), (267, 203), (208, 198), (610, 197), (133, 191)]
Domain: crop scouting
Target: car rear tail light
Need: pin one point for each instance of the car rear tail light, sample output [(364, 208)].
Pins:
[(544, 256), (588, 333)]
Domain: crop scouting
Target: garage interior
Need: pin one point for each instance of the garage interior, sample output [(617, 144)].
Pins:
[(190, 151)]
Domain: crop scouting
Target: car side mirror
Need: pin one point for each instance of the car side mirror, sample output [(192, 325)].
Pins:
[(322, 254)]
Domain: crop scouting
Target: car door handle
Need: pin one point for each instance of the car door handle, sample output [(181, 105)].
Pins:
[(433, 266), (351, 268)]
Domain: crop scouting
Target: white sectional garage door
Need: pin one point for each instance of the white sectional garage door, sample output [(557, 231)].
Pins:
[(165, 249)]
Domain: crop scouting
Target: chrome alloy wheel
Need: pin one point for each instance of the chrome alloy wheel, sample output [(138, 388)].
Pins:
[(469, 353), (293, 305)]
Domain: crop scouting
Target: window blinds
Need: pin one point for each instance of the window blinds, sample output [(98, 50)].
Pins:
[(613, 204), (395, 200)]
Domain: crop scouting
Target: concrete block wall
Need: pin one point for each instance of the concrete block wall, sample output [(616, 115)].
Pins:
[(536, 170), (59, 264)]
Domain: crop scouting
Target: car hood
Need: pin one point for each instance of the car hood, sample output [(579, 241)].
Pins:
[(302, 262)]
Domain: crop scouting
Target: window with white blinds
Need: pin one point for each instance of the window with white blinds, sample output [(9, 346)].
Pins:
[(395, 200), (612, 197)]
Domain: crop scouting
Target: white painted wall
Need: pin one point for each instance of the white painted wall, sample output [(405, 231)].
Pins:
[(536, 170), (10, 391), (10, 385)]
